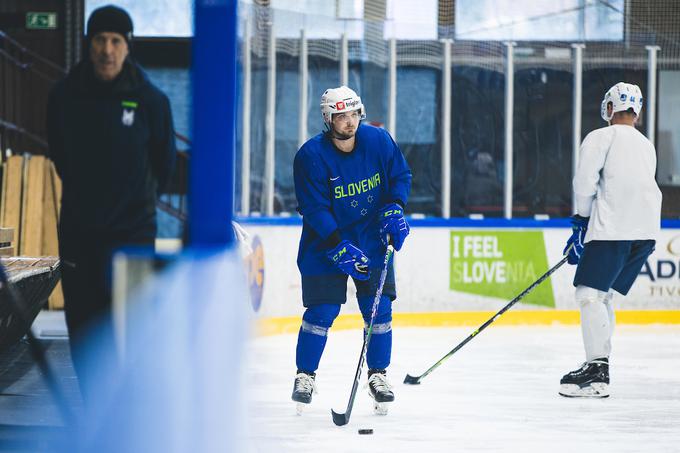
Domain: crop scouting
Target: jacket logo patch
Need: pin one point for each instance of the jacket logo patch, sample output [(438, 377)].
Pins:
[(128, 117)]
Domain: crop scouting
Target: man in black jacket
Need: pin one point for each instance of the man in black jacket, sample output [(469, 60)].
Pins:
[(111, 138)]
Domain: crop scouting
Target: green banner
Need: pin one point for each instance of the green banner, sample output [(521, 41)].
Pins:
[(500, 264)]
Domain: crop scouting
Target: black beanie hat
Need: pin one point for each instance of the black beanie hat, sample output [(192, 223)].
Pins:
[(111, 19)]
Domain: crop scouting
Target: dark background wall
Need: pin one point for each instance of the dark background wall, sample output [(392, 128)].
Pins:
[(542, 104)]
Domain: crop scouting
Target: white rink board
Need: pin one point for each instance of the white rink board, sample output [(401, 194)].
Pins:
[(423, 269)]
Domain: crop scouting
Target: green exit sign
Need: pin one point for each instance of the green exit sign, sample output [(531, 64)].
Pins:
[(41, 21)]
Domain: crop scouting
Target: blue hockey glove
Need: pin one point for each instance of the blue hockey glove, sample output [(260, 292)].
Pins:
[(350, 260), (394, 225), (579, 226)]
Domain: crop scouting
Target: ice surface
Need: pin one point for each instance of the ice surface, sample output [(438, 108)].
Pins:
[(498, 393)]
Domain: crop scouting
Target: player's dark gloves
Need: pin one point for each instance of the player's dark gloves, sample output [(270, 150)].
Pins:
[(350, 260), (393, 223), (579, 226)]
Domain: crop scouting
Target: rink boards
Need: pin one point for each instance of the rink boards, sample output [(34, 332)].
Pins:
[(448, 276)]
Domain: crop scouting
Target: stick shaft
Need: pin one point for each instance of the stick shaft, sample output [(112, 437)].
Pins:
[(337, 418), (493, 318)]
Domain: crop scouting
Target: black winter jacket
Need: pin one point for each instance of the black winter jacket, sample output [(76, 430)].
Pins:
[(113, 146)]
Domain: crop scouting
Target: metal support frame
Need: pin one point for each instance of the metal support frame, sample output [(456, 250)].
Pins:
[(446, 128), (626, 26), (78, 32), (344, 60), (304, 78), (270, 154), (509, 112), (577, 111), (68, 33), (245, 126), (652, 52), (392, 95)]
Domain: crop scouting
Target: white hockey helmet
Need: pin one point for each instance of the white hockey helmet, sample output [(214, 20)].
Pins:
[(623, 96), (340, 100)]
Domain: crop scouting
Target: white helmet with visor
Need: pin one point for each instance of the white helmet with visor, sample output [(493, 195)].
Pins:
[(340, 100)]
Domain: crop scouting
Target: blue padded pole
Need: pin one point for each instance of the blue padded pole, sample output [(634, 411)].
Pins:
[(211, 174)]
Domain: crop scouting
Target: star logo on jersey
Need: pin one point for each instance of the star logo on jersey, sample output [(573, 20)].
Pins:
[(354, 203), (364, 211), (369, 198)]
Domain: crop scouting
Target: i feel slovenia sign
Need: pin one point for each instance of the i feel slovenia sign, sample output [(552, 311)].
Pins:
[(500, 264)]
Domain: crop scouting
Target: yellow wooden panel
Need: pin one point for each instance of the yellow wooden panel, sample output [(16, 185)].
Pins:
[(50, 215), (33, 199), (6, 251), (56, 299), (3, 191), (6, 235), (57, 188), (50, 244), (11, 196)]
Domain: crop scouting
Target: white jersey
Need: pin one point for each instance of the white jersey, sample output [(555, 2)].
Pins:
[(615, 185)]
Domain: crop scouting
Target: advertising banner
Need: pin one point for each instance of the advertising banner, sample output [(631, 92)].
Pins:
[(500, 264), (443, 269)]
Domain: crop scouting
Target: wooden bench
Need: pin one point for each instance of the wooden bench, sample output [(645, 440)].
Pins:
[(34, 280)]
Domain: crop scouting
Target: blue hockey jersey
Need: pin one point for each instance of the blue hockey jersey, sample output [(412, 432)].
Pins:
[(338, 191)]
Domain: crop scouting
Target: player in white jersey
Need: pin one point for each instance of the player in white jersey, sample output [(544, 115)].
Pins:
[(618, 216)]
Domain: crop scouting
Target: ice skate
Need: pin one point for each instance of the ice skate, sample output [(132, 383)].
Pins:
[(303, 389), (380, 390), (589, 381)]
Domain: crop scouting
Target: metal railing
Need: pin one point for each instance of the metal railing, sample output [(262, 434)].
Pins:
[(25, 81), (174, 199)]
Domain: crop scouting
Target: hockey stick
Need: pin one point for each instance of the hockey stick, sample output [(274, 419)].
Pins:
[(343, 419), (414, 380)]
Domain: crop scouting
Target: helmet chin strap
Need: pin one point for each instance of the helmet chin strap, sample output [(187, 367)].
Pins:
[(338, 136), (341, 137)]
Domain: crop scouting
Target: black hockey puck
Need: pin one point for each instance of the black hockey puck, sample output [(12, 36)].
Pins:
[(366, 431)]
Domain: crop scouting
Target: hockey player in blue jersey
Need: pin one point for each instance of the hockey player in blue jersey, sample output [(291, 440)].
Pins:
[(352, 184), (618, 216)]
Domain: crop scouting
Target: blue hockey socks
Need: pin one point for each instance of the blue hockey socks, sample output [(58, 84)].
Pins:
[(316, 321), (380, 348)]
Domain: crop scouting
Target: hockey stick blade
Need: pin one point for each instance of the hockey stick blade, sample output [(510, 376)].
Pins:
[(339, 419), (412, 380)]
